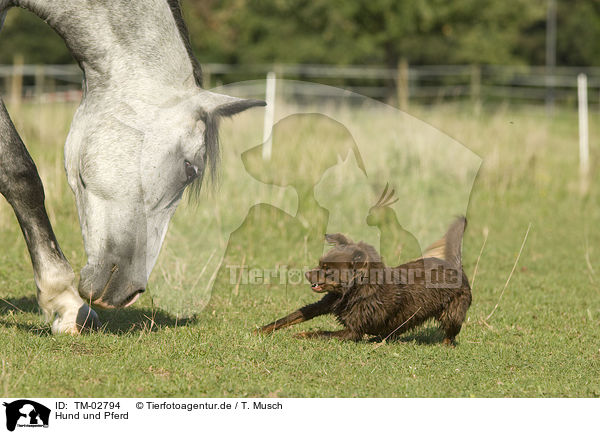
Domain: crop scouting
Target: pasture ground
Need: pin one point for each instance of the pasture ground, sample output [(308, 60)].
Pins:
[(543, 340)]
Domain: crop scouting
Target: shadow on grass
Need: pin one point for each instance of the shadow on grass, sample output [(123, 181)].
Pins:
[(133, 320), (10, 308), (430, 335), (20, 305), (118, 322)]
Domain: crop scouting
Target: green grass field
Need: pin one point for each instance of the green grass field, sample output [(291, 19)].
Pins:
[(543, 340)]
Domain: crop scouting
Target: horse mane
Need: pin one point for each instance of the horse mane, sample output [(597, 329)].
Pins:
[(211, 135), (175, 7), (211, 162)]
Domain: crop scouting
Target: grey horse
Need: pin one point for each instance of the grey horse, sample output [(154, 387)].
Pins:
[(144, 131)]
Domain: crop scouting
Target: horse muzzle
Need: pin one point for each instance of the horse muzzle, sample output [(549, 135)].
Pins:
[(109, 287)]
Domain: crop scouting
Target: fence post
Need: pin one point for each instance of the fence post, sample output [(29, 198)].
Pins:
[(269, 116), (40, 78), (206, 76), (550, 55), (584, 149), (402, 84), (476, 87), (16, 83)]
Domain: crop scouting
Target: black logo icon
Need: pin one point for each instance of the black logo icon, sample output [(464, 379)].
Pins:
[(26, 413)]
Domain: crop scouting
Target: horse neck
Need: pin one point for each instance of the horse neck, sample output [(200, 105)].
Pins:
[(131, 46)]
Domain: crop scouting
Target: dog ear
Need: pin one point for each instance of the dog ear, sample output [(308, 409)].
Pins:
[(359, 258), (337, 239)]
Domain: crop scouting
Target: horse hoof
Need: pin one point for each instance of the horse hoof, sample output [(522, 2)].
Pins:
[(87, 319), (76, 321)]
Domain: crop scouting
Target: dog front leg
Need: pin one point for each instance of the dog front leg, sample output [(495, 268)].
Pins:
[(346, 334), (321, 307)]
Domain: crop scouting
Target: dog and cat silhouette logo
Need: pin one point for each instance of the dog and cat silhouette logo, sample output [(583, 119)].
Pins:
[(26, 413)]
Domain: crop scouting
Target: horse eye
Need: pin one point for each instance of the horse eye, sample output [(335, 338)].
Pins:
[(191, 171), (82, 181)]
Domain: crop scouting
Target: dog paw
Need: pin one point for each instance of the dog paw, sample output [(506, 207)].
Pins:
[(304, 335), (264, 330), (449, 343)]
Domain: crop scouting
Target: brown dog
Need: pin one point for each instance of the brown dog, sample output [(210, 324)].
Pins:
[(369, 298)]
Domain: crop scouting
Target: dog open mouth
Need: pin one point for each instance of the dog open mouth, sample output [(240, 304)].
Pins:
[(317, 287)]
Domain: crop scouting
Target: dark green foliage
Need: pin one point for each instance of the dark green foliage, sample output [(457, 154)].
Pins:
[(362, 32), (28, 35), (579, 22), (371, 32)]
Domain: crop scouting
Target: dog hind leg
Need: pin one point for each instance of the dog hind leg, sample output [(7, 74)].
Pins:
[(453, 316)]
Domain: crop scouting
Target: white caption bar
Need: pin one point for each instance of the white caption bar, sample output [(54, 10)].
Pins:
[(159, 415)]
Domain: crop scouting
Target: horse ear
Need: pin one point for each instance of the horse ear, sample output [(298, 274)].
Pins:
[(224, 105)]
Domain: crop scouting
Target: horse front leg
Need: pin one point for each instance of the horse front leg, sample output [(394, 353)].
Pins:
[(21, 185)]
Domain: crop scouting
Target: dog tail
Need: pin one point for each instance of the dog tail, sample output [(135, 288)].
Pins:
[(449, 247)]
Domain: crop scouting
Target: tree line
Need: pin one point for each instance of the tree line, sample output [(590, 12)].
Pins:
[(362, 32)]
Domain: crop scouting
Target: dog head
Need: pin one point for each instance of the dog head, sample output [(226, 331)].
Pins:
[(344, 266)]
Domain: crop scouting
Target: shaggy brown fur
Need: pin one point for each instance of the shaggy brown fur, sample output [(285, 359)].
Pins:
[(369, 298)]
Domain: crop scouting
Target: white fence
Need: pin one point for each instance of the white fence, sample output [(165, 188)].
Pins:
[(421, 84)]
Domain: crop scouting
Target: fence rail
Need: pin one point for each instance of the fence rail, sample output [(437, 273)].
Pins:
[(428, 83)]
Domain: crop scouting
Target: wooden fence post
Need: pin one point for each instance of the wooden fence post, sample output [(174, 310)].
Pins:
[(402, 84), (584, 147), (476, 87), (16, 83), (269, 116), (206, 73), (40, 78)]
